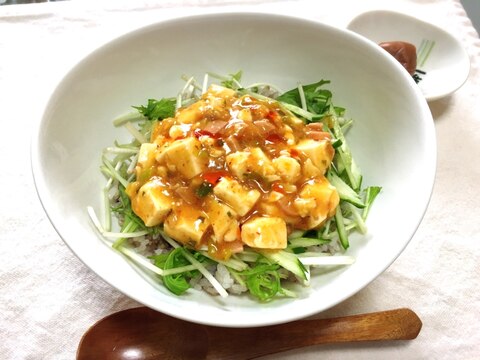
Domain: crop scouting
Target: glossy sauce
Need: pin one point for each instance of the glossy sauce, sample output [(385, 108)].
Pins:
[(229, 160)]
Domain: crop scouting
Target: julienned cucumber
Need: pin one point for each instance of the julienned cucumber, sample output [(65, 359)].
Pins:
[(288, 261), (344, 190), (342, 232)]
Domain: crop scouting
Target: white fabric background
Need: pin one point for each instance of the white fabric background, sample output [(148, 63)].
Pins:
[(49, 298)]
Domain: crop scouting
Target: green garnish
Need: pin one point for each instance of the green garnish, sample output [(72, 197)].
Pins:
[(370, 195), (158, 109), (233, 81), (176, 283), (263, 281), (204, 189), (316, 99)]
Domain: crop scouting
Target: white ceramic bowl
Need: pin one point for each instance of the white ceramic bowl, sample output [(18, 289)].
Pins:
[(393, 141)]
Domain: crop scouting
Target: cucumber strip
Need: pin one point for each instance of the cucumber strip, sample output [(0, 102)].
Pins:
[(342, 232), (344, 190), (306, 242), (288, 261), (296, 234), (343, 151), (232, 263), (370, 195), (247, 256), (362, 227)]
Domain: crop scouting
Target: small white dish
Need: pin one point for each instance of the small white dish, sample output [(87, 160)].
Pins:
[(439, 55)]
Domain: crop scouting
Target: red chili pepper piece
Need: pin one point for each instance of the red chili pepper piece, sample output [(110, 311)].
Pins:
[(272, 115), (214, 176), (201, 132), (274, 138), (278, 188)]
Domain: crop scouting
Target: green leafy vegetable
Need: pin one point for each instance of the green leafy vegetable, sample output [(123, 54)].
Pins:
[(158, 109), (263, 281), (177, 283), (317, 100), (370, 195), (233, 81)]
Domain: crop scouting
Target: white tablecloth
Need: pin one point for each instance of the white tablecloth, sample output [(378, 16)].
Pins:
[(49, 298)]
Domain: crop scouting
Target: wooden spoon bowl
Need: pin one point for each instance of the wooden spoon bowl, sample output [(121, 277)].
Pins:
[(142, 333)]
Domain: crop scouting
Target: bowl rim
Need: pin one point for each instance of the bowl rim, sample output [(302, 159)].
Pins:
[(228, 321)]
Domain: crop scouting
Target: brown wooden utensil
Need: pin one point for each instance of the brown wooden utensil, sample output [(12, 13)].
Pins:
[(142, 333)]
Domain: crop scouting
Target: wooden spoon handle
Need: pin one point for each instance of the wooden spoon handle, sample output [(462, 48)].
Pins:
[(399, 324)]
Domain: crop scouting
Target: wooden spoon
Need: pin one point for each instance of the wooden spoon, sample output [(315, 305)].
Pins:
[(142, 333)]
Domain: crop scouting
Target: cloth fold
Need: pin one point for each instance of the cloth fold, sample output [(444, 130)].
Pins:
[(49, 297)]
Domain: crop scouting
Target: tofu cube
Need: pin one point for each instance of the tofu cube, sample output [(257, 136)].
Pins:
[(191, 114), (223, 219), (260, 162), (151, 203), (326, 201), (237, 163), (235, 195), (186, 225), (179, 131), (146, 157), (265, 233), (319, 152), (254, 161), (310, 171), (220, 91), (182, 155), (245, 115), (287, 167)]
